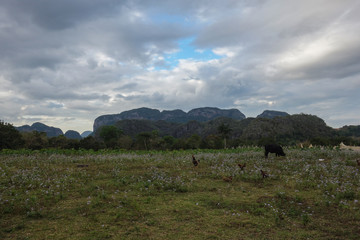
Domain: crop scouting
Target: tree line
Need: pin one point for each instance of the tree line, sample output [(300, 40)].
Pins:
[(111, 137)]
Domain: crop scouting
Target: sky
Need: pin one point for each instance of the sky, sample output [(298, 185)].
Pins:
[(64, 63)]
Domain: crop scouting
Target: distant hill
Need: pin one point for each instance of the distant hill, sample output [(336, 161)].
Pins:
[(53, 131), (71, 134), (352, 130), (272, 114), (40, 127), (297, 127), (86, 134), (176, 116)]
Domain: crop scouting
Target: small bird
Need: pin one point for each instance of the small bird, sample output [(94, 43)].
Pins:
[(264, 174), (227, 179), (194, 161), (241, 166)]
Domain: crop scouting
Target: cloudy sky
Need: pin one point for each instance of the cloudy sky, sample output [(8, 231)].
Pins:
[(66, 62)]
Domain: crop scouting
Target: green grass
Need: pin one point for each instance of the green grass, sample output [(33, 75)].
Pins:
[(161, 195)]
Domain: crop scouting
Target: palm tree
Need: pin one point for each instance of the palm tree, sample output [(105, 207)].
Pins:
[(224, 131), (144, 136)]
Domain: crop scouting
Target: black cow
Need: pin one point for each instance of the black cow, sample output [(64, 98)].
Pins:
[(274, 148)]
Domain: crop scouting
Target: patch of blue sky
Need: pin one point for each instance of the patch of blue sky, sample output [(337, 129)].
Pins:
[(186, 50)]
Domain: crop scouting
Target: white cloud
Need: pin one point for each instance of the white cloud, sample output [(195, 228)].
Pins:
[(224, 52)]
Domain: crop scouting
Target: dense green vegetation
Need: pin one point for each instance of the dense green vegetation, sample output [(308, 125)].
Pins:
[(111, 194), (9, 136), (219, 133)]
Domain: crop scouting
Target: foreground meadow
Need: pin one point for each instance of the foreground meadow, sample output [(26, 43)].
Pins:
[(309, 194)]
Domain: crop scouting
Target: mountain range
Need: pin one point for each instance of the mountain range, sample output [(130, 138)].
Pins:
[(204, 122), (297, 126), (176, 116), (40, 127), (272, 114), (52, 131)]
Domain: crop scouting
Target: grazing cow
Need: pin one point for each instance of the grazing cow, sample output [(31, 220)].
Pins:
[(274, 148)]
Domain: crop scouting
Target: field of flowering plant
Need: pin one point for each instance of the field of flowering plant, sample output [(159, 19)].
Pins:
[(309, 194)]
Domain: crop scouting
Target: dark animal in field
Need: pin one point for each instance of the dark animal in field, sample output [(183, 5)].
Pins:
[(264, 174), (82, 165), (358, 162), (194, 161), (274, 148), (241, 166), (227, 179)]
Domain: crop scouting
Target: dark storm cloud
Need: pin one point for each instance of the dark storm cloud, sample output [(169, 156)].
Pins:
[(80, 59), (127, 86), (341, 63), (37, 60), (59, 15)]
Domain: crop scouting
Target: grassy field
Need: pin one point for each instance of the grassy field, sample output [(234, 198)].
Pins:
[(310, 194)]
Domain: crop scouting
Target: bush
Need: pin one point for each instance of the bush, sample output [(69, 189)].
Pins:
[(10, 138)]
